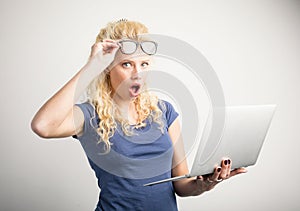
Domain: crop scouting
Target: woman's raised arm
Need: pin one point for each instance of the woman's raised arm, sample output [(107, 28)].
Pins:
[(59, 117)]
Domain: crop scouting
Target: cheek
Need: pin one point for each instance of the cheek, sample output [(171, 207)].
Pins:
[(116, 78)]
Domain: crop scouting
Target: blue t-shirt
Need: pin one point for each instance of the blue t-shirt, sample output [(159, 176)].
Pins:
[(132, 161)]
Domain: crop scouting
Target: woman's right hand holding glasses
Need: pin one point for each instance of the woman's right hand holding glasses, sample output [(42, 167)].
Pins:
[(104, 51)]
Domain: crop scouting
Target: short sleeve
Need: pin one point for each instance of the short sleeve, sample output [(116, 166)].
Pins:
[(90, 117), (169, 112)]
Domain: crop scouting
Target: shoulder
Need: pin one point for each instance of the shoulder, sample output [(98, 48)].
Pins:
[(165, 106), (87, 108), (168, 110), (91, 118)]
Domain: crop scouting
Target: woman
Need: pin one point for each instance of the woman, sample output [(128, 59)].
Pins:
[(115, 124)]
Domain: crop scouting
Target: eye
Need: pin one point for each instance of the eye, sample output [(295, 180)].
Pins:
[(126, 64), (145, 64)]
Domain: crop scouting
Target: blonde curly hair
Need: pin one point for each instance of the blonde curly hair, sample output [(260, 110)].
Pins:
[(100, 90)]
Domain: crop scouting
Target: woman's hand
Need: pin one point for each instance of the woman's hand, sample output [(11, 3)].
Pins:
[(223, 172), (104, 52), (107, 47)]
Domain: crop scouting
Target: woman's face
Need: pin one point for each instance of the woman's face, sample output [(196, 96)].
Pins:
[(128, 75)]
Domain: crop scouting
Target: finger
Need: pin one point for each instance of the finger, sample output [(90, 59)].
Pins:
[(229, 163), (109, 47), (115, 44), (109, 40), (216, 174), (200, 178), (224, 170), (238, 171)]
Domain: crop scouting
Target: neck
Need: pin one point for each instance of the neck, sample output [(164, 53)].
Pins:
[(127, 110)]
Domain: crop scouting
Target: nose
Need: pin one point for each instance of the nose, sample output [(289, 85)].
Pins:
[(135, 73)]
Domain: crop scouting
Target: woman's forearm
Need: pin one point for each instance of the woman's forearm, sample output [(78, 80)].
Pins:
[(54, 112)]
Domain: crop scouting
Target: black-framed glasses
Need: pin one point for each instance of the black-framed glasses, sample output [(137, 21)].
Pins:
[(130, 46)]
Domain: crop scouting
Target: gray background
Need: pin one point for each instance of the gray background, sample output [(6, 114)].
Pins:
[(253, 46)]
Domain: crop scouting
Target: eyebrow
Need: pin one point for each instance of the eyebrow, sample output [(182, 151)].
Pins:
[(128, 60)]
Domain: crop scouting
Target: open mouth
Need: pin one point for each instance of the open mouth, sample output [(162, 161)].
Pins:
[(134, 90)]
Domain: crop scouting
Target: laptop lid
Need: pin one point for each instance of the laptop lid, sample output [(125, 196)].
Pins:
[(243, 135)]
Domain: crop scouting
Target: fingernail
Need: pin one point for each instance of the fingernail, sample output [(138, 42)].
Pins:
[(225, 162), (218, 169), (229, 161)]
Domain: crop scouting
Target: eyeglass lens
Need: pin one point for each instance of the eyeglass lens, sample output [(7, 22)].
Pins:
[(130, 46), (149, 47)]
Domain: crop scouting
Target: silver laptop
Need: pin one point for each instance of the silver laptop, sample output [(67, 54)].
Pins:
[(243, 135)]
